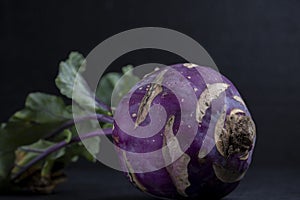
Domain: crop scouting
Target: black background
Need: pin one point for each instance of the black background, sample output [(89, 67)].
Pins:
[(256, 44)]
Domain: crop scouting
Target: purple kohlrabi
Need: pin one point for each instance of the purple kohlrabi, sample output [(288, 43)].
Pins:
[(196, 122)]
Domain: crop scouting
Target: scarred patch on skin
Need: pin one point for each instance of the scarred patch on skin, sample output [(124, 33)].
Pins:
[(202, 156), (212, 92), (202, 153), (178, 169), (227, 175), (189, 65), (239, 99), (218, 131), (236, 111), (245, 157), (236, 135), (154, 90), (131, 174)]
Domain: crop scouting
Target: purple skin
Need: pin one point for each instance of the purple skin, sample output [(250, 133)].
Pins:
[(213, 165)]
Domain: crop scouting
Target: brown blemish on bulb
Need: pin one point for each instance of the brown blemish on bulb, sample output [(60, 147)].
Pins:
[(154, 90), (132, 175), (236, 111), (202, 156), (245, 157), (237, 135), (178, 169), (213, 91), (239, 99), (218, 131)]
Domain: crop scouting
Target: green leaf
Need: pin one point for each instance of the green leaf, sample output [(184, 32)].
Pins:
[(106, 86), (117, 83), (70, 72), (21, 137), (6, 164), (127, 69), (39, 177), (73, 152), (92, 144), (43, 108), (47, 168), (68, 134), (43, 114), (27, 153), (108, 126), (123, 86)]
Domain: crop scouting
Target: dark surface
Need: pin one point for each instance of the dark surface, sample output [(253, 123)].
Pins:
[(94, 183)]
